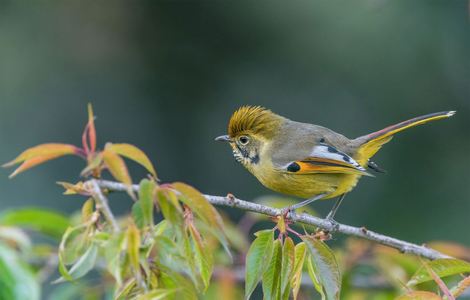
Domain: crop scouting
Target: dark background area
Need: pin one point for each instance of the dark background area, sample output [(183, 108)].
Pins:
[(167, 76)]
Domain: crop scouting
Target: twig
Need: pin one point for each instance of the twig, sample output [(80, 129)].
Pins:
[(102, 203), (402, 246)]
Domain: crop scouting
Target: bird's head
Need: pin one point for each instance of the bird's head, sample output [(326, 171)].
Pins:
[(249, 130)]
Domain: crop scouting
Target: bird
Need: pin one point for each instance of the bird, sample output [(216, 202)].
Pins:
[(305, 160)]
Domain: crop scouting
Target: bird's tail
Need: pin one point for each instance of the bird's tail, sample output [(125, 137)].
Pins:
[(369, 144)]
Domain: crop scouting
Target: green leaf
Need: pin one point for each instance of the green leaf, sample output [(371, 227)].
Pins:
[(17, 281), (272, 276), (315, 280), (184, 289), (138, 215), (156, 294), (114, 260), (146, 200), (83, 265), (133, 246), (300, 252), (44, 221), (170, 208), (204, 210), (260, 252), (325, 266), (287, 269), (202, 255), (442, 267)]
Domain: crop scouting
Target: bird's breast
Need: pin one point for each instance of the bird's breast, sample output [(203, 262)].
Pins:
[(303, 185)]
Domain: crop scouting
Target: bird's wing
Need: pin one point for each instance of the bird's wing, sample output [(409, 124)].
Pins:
[(325, 158)]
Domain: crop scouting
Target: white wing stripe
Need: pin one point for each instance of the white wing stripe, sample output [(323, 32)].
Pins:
[(329, 152)]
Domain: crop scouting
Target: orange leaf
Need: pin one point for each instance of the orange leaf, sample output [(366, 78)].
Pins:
[(39, 154), (419, 295), (116, 166), (91, 128), (135, 154)]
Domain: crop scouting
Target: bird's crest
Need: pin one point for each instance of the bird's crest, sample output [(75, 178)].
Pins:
[(255, 120)]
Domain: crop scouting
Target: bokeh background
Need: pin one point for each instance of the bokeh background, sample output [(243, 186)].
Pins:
[(167, 76)]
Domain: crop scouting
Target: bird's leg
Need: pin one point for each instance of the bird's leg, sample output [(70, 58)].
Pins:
[(291, 209), (331, 214)]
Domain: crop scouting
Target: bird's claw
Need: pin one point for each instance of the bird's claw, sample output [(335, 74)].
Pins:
[(287, 212), (334, 224)]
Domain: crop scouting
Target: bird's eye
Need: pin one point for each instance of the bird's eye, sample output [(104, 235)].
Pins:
[(243, 140)]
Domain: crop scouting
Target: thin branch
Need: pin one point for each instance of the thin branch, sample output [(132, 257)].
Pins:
[(402, 246), (102, 203)]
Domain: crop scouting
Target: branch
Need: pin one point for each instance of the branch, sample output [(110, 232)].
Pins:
[(102, 203), (402, 246)]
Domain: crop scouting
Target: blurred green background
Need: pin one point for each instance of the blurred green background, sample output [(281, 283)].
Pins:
[(167, 76)]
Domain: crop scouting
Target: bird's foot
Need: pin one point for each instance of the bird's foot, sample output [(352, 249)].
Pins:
[(288, 213), (334, 228), (334, 225)]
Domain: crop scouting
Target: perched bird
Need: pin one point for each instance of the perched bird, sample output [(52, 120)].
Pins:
[(305, 160)]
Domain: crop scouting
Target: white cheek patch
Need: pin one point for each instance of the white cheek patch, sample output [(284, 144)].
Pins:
[(330, 152)]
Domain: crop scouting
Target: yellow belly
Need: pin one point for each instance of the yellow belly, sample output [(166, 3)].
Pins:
[(307, 185)]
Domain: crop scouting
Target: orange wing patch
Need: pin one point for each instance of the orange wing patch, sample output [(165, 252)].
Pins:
[(312, 165)]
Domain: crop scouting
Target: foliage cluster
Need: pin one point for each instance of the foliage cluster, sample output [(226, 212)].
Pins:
[(175, 245)]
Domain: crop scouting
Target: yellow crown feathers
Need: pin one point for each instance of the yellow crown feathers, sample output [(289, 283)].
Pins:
[(254, 120)]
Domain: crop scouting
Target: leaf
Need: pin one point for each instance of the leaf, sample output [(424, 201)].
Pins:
[(116, 166), (91, 129), (81, 267), (439, 282), (461, 287), (325, 266), (442, 267), (132, 152), (44, 221), (202, 255), (94, 164), (272, 275), (133, 246), (315, 280), (72, 189), (288, 262), (138, 215), (113, 257), (300, 251), (146, 189), (39, 154), (87, 210), (204, 210), (169, 206), (15, 236), (419, 295), (156, 294), (173, 280), (17, 281), (260, 252)]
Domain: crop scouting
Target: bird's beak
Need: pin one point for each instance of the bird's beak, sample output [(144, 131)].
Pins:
[(223, 138)]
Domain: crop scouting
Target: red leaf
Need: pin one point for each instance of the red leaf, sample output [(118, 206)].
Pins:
[(91, 128)]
